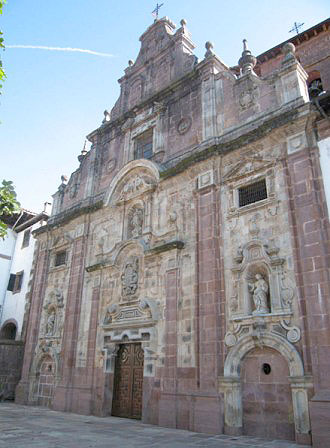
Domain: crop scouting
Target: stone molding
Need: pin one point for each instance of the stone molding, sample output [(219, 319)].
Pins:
[(230, 383)]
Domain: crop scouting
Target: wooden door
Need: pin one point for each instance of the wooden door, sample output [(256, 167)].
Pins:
[(128, 381)]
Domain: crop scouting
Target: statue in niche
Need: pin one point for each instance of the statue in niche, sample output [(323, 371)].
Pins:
[(259, 290), (58, 296), (135, 223), (50, 325), (129, 278)]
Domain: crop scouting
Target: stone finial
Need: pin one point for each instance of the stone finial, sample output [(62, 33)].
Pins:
[(83, 153), (183, 22), (130, 63), (209, 49), (247, 62), (64, 179), (106, 116), (84, 150), (288, 50)]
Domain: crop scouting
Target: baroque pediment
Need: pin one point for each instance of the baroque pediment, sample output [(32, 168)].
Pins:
[(246, 167), (146, 311)]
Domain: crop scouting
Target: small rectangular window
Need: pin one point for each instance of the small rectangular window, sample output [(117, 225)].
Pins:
[(11, 282), (143, 145), (15, 282), (26, 238), (60, 258), (252, 193)]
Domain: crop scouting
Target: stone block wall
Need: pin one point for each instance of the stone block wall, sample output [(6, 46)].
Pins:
[(11, 362)]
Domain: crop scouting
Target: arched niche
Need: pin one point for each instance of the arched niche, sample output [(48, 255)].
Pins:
[(258, 258)]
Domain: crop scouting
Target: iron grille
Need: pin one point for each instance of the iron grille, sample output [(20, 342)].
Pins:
[(60, 258), (252, 193)]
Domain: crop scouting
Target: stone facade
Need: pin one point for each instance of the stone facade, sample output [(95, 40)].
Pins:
[(211, 252)]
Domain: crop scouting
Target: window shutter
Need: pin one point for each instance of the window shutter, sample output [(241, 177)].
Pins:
[(20, 280), (11, 282)]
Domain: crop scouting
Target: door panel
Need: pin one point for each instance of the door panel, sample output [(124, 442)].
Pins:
[(128, 382)]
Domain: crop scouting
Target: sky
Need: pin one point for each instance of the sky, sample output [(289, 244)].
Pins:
[(52, 99)]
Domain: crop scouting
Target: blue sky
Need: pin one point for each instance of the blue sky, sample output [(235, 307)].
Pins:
[(51, 100)]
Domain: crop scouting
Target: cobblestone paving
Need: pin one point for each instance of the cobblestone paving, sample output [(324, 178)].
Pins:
[(35, 427)]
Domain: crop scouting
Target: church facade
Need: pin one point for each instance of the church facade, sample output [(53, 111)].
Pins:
[(183, 277)]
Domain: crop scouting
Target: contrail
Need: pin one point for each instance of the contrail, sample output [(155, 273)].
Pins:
[(79, 50)]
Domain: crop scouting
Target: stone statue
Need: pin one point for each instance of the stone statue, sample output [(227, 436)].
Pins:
[(136, 222), (58, 297), (259, 290), (50, 326)]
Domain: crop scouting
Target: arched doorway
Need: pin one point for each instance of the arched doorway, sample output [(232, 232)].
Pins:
[(8, 331), (266, 395), (45, 382), (235, 374)]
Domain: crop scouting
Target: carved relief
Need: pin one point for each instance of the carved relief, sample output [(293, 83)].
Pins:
[(52, 320), (184, 125), (111, 165), (249, 97), (130, 278), (259, 276), (134, 187), (262, 293), (146, 309), (135, 222)]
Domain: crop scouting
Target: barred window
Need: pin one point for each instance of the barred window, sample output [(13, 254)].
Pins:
[(252, 193), (60, 258)]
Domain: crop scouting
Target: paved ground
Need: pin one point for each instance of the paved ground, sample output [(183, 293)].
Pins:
[(33, 427)]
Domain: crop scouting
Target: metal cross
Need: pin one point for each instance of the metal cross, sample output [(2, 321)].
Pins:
[(296, 27), (156, 10)]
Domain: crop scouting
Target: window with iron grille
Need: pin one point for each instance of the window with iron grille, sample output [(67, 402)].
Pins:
[(252, 193), (143, 145), (60, 258), (26, 238)]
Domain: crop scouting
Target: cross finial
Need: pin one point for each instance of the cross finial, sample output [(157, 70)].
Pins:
[(155, 12), (296, 27)]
